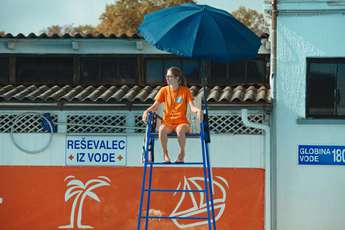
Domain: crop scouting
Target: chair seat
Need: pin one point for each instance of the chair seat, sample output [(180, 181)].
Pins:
[(188, 135)]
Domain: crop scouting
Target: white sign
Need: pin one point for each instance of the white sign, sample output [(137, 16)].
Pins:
[(96, 150)]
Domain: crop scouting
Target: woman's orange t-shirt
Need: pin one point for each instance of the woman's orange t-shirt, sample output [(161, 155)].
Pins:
[(175, 101)]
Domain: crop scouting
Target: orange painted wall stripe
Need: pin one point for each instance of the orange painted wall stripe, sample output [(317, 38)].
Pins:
[(107, 198)]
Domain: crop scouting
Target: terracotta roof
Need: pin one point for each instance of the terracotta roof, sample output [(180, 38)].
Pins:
[(78, 35), (105, 94)]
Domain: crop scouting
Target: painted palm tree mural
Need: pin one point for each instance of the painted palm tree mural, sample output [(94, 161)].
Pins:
[(79, 191)]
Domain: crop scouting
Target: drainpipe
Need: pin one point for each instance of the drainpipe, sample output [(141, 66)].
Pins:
[(273, 47), (267, 163), (271, 162)]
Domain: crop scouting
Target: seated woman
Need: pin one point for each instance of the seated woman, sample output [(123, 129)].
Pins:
[(175, 96)]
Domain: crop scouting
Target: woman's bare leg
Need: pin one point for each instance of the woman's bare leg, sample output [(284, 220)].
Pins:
[(163, 138), (181, 131)]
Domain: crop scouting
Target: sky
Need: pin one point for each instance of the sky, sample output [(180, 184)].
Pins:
[(26, 16)]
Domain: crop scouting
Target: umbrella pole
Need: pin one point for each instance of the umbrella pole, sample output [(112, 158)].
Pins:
[(204, 86), (205, 110), (207, 139)]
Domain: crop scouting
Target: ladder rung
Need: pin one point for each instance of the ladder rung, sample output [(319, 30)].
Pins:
[(172, 163), (175, 217), (174, 190), (188, 135)]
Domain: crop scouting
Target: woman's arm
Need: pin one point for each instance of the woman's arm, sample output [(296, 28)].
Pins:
[(152, 108), (196, 110)]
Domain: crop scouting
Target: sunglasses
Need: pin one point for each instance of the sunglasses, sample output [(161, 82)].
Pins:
[(170, 76)]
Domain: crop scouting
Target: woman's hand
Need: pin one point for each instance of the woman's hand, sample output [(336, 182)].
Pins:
[(200, 115), (144, 118), (153, 108), (197, 111)]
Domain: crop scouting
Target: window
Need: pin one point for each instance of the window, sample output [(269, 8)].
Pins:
[(4, 70), (249, 71), (155, 69), (108, 70), (47, 69), (325, 88)]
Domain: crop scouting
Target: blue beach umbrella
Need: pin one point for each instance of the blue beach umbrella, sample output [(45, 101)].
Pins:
[(200, 31)]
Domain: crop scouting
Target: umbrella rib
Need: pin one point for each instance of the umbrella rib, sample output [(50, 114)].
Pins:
[(221, 34), (240, 32), (166, 33), (166, 13), (148, 35), (196, 32)]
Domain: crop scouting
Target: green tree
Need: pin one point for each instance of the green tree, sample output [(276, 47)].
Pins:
[(124, 16), (252, 19)]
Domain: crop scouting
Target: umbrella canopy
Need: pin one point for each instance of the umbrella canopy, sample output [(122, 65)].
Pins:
[(199, 31)]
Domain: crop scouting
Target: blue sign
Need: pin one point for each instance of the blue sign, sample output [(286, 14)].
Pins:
[(96, 150), (321, 155)]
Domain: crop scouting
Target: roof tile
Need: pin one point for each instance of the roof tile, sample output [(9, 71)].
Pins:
[(238, 94), (44, 96), (214, 94), (27, 90), (117, 96), (69, 96), (84, 93), (93, 96), (143, 94), (132, 92), (153, 93), (56, 96), (226, 95), (12, 92), (107, 93), (37, 92), (250, 94)]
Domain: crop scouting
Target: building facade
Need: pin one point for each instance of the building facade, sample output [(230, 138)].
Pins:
[(71, 117), (308, 115)]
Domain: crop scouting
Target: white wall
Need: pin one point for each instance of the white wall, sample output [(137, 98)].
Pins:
[(307, 197), (225, 150)]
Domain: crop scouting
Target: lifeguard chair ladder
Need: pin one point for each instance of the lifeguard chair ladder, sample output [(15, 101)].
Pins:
[(149, 162)]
